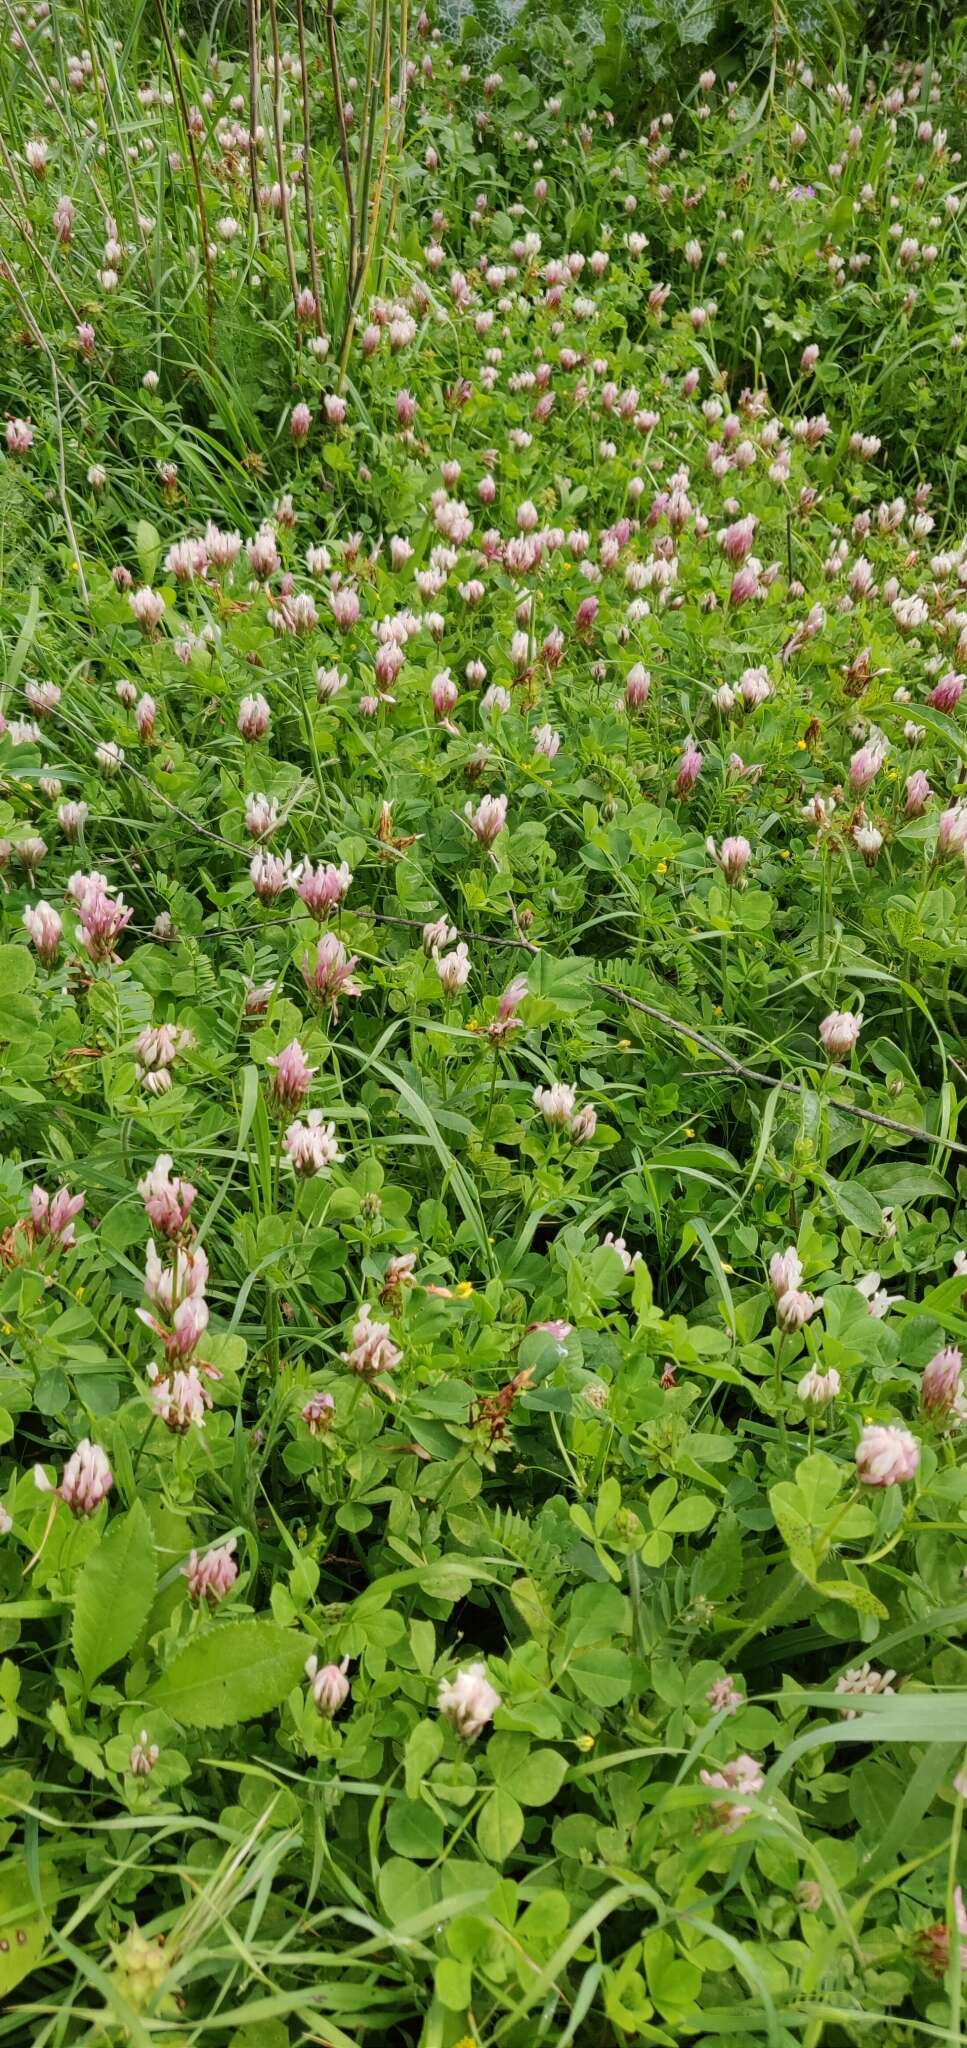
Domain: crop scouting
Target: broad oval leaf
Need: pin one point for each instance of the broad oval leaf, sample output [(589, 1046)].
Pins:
[(113, 1594), (231, 1672)]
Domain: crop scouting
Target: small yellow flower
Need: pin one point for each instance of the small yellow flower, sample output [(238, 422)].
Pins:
[(717, 1010), (689, 1131), (81, 1293), (8, 1329), (783, 853), (726, 1268), (800, 746), (585, 1742), (662, 868), (473, 1025), (624, 1045), (463, 1290)]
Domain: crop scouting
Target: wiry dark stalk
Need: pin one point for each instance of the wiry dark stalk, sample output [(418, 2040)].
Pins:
[(343, 134), (254, 27), (280, 158), (195, 171), (371, 204), (306, 178)]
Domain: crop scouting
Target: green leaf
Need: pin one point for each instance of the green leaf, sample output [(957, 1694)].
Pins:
[(147, 545), (500, 1825), (423, 1746), (113, 1594), (601, 1675), (413, 1829), (23, 1923), (22, 649), (855, 1204), (232, 1672), (16, 970), (453, 1981), (674, 1983)]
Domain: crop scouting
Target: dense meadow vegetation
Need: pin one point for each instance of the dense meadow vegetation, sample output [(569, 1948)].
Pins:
[(483, 1240)]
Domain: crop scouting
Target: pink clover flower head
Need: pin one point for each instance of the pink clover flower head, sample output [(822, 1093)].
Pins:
[(489, 819), (453, 969), (468, 1701), (816, 1389), (52, 1217), (310, 1144), (940, 1388), (329, 976), (839, 1033), (952, 831), (725, 1696), (86, 1480), (795, 1308), (507, 1019), (148, 607), (733, 857), (167, 1200), (785, 1272), (101, 918), (372, 1350), (293, 1075), (325, 887), (886, 1455), (689, 770), (865, 766), (44, 928), (556, 1104), (742, 1775), (182, 1399), (253, 717), (212, 1576)]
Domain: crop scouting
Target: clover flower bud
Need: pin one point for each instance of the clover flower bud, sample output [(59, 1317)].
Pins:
[(293, 1075), (44, 928), (940, 1386), (328, 1684), (144, 1756), (212, 1576), (733, 857), (86, 1480), (167, 1200), (318, 1414), (816, 1388), (488, 820), (795, 1308)]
